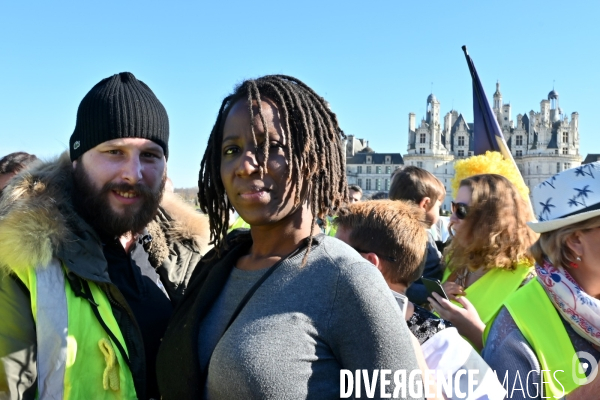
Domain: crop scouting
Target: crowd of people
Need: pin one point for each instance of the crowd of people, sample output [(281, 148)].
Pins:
[(112, 287)]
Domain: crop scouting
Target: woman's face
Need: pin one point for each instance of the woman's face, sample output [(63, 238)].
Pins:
[(259, 201), (584, 244), (462, 196)]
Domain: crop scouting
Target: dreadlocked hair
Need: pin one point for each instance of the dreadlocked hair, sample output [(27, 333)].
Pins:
[(313, 140)]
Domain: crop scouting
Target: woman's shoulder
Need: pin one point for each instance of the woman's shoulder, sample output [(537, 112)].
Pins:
[(340, 256), (350, 269)]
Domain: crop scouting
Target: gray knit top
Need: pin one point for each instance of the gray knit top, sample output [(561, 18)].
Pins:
[(302, 326)]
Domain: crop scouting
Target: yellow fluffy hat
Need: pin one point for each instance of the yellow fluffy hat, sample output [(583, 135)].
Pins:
[(491, 163)]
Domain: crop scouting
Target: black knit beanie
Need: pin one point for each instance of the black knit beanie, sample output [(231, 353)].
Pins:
[(119, 107)]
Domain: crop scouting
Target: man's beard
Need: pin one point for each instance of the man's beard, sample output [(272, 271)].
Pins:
[(93, 205)]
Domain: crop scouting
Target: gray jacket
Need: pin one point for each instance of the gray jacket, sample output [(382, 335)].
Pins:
[(37, 222)]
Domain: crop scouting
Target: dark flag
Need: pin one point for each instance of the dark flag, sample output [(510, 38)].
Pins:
[(487, 135)]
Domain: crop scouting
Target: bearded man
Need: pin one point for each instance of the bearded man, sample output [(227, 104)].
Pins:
[(93, 257)]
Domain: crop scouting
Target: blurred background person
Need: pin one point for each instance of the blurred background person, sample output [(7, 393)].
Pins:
[(423, 189), (354, 194), (11, 164)]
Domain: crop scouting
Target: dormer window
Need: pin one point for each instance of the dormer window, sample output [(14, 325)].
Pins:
[(369, 159)]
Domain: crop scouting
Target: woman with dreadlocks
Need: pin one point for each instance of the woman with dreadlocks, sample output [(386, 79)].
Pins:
[(277, 311)]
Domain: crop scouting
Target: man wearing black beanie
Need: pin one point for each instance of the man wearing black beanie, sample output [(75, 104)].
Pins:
[(93, 256)]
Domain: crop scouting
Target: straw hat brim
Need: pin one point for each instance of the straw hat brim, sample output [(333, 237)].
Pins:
[(547, 226)]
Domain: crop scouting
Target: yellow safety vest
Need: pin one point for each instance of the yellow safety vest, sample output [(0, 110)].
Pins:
[(489, 292), (539, 322), (239, 223), (77, 359)]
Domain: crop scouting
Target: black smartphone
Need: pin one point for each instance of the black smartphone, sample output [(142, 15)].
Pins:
[(434, 286)]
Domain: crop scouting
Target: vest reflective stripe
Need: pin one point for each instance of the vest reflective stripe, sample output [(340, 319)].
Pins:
[(51, 330), (542, 327), (71, 364), (489, 292)]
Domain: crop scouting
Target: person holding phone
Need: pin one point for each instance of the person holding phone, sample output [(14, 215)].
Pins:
[(488, 258), (278, 311)]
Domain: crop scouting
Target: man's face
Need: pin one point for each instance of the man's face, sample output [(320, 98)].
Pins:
[(433, 214), (119, 184), (354, 196)]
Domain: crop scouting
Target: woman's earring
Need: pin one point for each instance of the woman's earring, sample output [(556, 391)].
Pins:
[(578, 258), (575, 265)]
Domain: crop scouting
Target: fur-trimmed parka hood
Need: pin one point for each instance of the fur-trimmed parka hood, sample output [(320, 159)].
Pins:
[(38, 222)]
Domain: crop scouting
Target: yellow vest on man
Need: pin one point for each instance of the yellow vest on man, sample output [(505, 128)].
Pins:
[(77, 359)]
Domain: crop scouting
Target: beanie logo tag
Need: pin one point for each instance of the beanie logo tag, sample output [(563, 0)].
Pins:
[(76, 145)]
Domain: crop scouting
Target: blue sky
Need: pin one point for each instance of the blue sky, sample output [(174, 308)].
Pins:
[(373, 61)]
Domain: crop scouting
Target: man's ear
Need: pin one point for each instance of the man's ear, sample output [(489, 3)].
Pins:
[(424, 203), (373, 259)]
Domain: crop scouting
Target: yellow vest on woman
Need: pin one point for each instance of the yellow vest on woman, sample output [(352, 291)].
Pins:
[(539, 322), (76, 358), (489, 292)]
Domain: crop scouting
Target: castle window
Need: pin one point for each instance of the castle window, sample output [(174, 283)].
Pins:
[(369, 159), (565, 150), (461, 153), (519, 153), (388, 159), (368, 186), (377, 184), (388, 170), (565, 137), (461, 140), (360, 183), (556, 151), (369, 169), (421, 150), (519, 141), (557, 167), (420, 164), (387, 184), (567, 165), (422, 138), (359, 169), (377, 170)]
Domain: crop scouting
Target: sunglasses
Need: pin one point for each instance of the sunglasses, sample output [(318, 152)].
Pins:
[(390, 259), (460, 209)]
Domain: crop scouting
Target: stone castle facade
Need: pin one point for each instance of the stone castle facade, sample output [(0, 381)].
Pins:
[(542, 143)]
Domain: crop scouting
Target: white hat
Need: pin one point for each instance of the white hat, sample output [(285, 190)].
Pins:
[(568, 197)]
